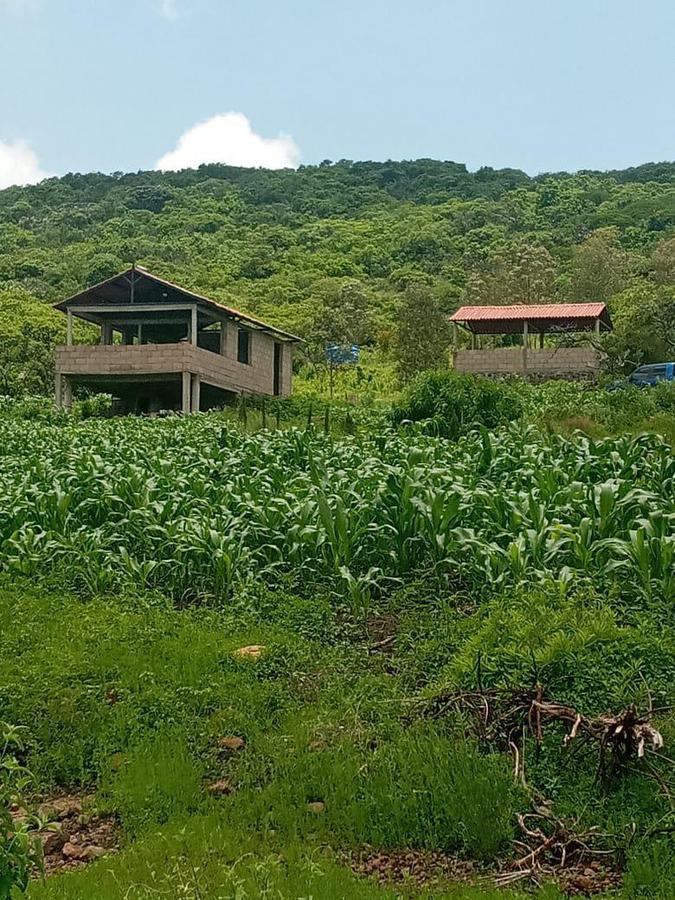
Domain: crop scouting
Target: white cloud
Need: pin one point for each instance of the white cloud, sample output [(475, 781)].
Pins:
[(19, 165), (168, 9), (228, 138)]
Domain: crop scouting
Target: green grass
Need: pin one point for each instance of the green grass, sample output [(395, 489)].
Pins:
[(323, 720)]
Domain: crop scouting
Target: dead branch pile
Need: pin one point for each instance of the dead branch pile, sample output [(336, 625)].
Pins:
[(549, 845), (581, 861), (503, 718), (624, 736)]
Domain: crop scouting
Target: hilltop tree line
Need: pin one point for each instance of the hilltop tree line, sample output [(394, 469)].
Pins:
[(372, 253)]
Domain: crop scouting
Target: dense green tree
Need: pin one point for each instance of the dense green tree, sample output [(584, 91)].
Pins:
[(422, 333), (644, 327), (600, 267), (523, 273), (663, 262), (341, 315)]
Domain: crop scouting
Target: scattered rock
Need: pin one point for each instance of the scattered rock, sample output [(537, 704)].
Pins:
[(19, 814), (74, 839), (419, 867), (254, 651), (53, 841), (220, 788), (60, 808), (317, 806), (231, 744), (73, 851), (588, 881)]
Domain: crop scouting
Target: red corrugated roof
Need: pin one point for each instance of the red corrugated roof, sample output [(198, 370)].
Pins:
[(524, 313)]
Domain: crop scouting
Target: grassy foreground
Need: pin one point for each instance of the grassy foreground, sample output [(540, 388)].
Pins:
[(324, 720)]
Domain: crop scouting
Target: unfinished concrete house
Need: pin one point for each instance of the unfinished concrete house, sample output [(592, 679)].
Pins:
[(163, 347), (546, 348)]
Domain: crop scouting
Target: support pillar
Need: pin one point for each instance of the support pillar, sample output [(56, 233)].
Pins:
[(58, 390), (67, 392), (526, 338), (193, 326), (185, 402), (106, 333), (541, 340), (223, 338), (69, 331), (597, 328), (196, 392)]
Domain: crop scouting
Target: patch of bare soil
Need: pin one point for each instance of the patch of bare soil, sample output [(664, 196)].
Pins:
[(74, 835), (588, 880), (416, 868), (427, 869), (382, 629)]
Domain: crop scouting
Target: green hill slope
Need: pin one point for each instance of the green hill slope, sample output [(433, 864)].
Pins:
[(285, 244)]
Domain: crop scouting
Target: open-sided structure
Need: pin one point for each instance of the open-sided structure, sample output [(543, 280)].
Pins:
[(164, 347), (533, 324)]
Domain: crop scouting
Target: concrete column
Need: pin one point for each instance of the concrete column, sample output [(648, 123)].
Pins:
[(186, 387), (67, 392), (223, 338), (106, 333), (526, 338), (69, 331), (58, 390), (597, 328), (193, 326), (196, 392), (231, 340)]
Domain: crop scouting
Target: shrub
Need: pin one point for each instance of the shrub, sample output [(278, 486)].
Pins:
[(19, 850), (452, 403)]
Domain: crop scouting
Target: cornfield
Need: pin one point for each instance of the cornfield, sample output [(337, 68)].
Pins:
[(196, 509)]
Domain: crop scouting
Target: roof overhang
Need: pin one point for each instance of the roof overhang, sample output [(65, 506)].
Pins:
[(137, 291)]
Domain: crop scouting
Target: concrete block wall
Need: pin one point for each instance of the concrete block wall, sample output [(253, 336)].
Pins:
[(155, 359), (548, 361)]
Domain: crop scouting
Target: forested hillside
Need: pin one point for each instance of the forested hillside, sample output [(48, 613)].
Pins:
[(333, 251)]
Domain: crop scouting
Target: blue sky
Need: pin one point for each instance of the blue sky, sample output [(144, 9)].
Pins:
[(114, 85)]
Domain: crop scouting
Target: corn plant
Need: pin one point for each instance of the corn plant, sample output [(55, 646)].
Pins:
[(195, 508)]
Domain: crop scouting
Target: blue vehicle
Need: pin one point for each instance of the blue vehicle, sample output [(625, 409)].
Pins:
[(646, 376)]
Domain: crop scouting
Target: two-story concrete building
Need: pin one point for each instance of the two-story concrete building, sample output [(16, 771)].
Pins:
[(164, 347)]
